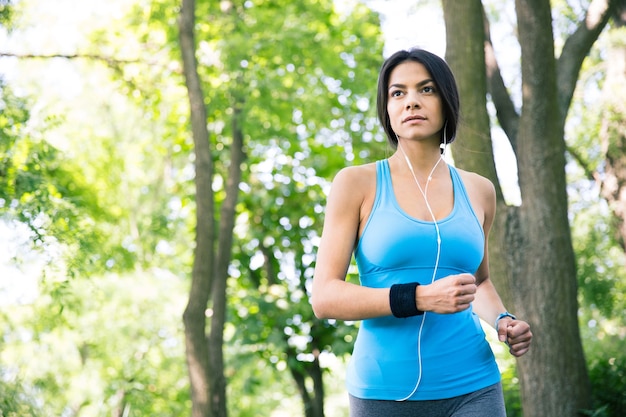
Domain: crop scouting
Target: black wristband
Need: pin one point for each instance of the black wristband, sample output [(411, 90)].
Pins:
[(402, 300)]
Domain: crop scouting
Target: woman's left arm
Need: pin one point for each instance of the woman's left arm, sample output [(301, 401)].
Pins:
[(487, 303)]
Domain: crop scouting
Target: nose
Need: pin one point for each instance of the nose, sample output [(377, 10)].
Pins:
[(412, 101)]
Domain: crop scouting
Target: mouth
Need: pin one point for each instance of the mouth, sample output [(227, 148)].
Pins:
[(413, 117)]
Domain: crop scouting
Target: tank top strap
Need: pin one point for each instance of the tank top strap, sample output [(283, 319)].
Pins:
[(460, 193), (384, 186)]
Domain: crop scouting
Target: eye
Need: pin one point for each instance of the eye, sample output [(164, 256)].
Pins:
[(429, 89), (395, 93)]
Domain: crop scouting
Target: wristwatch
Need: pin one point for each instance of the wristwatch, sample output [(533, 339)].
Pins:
[(503, 315)]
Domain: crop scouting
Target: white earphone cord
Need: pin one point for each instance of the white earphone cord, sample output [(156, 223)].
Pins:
[(424, 194)]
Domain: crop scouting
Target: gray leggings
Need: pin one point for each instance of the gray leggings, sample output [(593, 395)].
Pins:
[(486, 402)]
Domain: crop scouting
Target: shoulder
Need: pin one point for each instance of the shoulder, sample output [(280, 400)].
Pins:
[(353, 188), (355, 178), (482, 194), (477, 184)]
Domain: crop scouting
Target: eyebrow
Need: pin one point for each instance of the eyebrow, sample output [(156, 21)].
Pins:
[(420, 84)]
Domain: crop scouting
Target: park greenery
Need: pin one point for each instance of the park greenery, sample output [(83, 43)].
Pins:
[(98, 201)]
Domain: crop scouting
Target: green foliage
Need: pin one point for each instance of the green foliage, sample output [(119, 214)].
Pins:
[(511, 388), (118, 346), (608, 379), (600, 269), (14, 402), (6, 13), (602, 287), (102, 181), (303, 78), (13, 119), (44, 189), (257, 381)]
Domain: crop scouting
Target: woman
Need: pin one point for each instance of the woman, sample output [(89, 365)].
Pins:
[(418, 229)]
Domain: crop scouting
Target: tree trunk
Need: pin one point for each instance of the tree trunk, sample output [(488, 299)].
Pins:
[(553, 375), (299, 376), (305, 374), (194, 317), (315, 372), (533, 239), (302, 371), (224, 251)]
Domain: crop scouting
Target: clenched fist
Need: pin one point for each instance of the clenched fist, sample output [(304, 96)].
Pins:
[(516, 334), (447, 295)]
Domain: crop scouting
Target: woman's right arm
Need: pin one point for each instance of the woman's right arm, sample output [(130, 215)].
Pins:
[(332, 296), (348, 207)]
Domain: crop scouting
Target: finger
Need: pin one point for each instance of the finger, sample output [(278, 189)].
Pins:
[(466, 279), (520, 345), (465, 290), (463, 302), (465, 299), (469, 289), (518, 330), (519, 351), (503, 331), (525, 338)]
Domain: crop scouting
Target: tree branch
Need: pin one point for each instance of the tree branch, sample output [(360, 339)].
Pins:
[(589, 171), (113, 62), (576, 49), (505, 109)]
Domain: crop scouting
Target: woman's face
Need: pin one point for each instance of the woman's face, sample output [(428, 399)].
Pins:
[(413, 103)]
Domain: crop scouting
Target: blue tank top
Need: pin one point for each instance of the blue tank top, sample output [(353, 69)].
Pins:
[(456, 359)]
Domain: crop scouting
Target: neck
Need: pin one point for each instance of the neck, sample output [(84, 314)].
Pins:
[(429, 177), (420, 159)]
